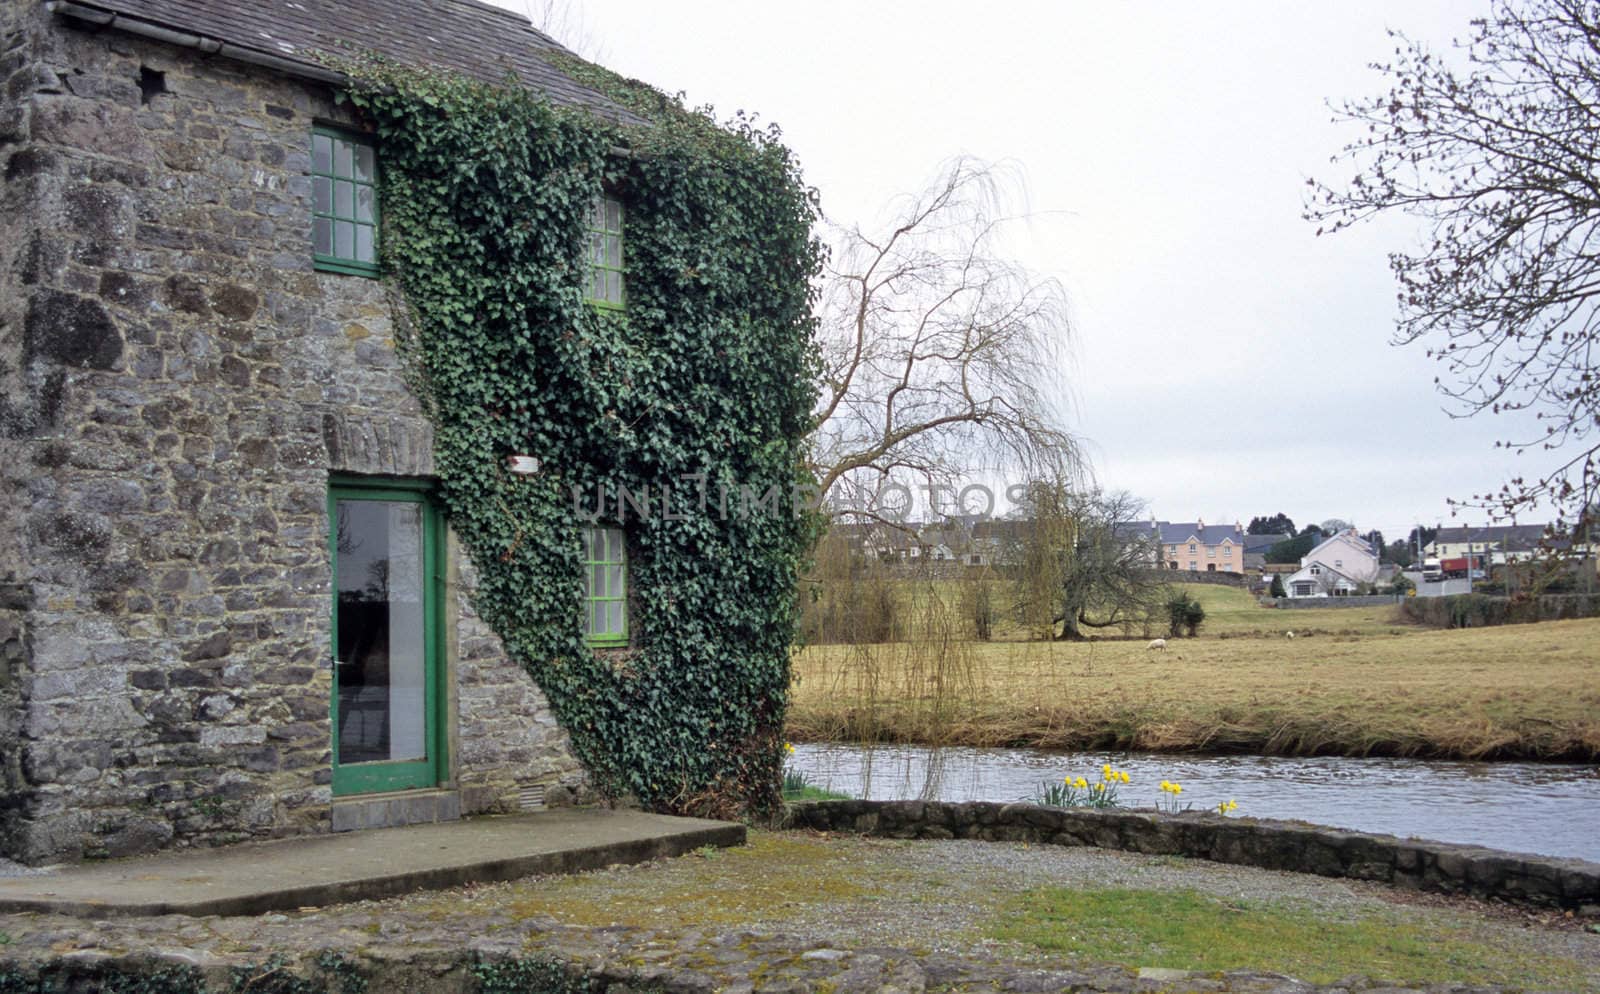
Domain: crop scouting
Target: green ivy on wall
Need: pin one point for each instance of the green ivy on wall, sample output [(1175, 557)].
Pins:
[(708, 373)]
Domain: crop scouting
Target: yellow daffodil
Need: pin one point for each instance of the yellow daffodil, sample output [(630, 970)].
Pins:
[(1177, 788), (1106, 771), (1165, 785), (1124, 776), (1082, 784)]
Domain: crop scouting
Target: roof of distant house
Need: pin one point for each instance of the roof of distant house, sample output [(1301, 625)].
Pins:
[(1261, 543), (1348, 533), (472, 38), (1176, 532), (1509, 538)]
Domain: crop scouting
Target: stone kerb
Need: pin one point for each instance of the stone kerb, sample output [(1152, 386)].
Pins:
[(1275, 845)]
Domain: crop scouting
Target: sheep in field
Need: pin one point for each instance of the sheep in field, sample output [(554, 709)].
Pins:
[(1157, 644)]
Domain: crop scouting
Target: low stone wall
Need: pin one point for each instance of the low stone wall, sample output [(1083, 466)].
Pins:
[(1370, 600), (1217, 577), (1273, 845)]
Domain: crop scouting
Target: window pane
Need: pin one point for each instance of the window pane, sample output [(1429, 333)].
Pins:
[(344, 197), (595, 624), (597, 581), (614, 252), (364, 195), (321, 154), (614, 617), (381, 633), (614, 580), (322, 235), (344, 239), (322, 195), (597, 217), (342, 165), (613, 215), (597, 285), (596, 252), (614, 286), (614, 545), (366, 166), (365, 250), (596, 545)]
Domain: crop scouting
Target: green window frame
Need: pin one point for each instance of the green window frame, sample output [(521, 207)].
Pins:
[(605, 259), (344, 202), (605, 580)]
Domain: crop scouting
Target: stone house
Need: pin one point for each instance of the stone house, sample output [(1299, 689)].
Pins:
[(228, 608)]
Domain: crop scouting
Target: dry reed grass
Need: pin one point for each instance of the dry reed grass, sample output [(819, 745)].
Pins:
[(1369, 686)]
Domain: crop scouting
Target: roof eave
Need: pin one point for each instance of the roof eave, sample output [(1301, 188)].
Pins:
[(303, 69), (98, 17)]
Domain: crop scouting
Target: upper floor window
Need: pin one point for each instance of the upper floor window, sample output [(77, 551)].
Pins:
[(344, 202), (1191, 547), (605, 253), (605, 587)]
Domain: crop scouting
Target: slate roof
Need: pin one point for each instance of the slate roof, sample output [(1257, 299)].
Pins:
[(1508, 538), (1178, 532), (466, 36), (1261, 543)]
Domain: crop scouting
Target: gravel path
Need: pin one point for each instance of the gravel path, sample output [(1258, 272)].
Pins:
[(795, 912)]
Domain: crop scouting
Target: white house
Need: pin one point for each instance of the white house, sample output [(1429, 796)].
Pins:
[(1335, 568)]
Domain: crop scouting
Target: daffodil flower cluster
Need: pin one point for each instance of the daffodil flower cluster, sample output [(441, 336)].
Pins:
[(1227, 807), (1169, 804), (1078, 792)]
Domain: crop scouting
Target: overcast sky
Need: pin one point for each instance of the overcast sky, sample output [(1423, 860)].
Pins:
[(1227, 363)]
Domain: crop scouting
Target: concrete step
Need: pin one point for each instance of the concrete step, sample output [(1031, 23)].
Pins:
[(395, 809), (253, 878)]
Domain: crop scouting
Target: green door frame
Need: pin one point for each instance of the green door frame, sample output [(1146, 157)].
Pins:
[(371, 777)]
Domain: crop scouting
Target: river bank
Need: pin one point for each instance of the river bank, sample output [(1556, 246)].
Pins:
[(797, 912), (1543, 808), (1526, 692)]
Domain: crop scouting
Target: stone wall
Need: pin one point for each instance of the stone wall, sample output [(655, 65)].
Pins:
[(1408, 863), (1220, 578), (1365, 600), (179, 383)]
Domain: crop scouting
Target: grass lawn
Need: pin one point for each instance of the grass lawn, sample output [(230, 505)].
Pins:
[(1353, 682), (1186, 930)]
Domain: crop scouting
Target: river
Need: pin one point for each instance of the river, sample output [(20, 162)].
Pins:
[(1545, 808)]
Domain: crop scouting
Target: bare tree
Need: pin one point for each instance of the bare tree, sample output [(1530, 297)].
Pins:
[(1088, 561), (940, 355), (565, 21), (1498, 153)]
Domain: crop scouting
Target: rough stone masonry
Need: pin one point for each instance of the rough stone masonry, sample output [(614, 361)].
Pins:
[(178, 385)]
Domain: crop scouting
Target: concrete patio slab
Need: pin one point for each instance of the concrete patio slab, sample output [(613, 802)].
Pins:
[(253, 878)]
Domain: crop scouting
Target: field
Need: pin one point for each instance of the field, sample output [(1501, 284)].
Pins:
[(1351, 682)]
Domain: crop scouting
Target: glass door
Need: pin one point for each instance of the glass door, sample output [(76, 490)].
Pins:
[(387, 556)]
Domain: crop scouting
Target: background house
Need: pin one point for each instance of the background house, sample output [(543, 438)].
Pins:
[(1499, 544), (1337, 566), (1194, 545)]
